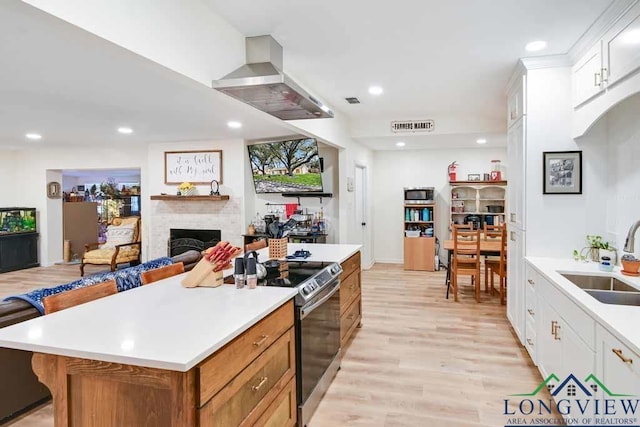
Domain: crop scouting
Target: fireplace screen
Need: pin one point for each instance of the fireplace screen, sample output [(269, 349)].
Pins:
[(182, 240)]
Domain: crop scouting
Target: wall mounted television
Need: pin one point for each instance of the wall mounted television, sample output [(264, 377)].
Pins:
[(288, 166)]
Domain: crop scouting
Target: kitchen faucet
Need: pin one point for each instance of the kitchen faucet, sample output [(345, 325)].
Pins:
[(628, 244)]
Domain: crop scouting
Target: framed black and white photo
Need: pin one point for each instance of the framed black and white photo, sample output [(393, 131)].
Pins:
[(562, 172), (473, 177)]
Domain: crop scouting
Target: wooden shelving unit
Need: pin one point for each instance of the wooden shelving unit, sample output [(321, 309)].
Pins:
[(474, 198), (168, 197), (419, 252)]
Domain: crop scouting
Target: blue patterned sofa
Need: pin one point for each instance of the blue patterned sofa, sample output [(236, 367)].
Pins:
[(20, 389)]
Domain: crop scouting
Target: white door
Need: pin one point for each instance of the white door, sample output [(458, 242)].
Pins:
[(360, 208)]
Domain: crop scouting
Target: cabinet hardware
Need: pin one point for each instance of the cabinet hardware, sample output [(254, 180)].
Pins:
[(596, 77), (555, 333), (262, 340), (513, 217), (531, 282), (513, 115), (513, 236), (260, 384), (554, 323), (530, 342), (351, 317), (605, 75), (618, 352), (531, 312)]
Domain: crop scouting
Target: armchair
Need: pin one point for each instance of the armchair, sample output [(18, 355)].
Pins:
[(112, 255)]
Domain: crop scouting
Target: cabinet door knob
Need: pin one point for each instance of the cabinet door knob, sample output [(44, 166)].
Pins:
[(530, 342), (596, 78), (531, 282), (531, 312), (618, 352)]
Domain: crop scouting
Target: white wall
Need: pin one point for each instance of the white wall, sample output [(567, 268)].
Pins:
[(224, 215), (558, 224), (395, 170), (35, 166), (622, 141), (8, 165)]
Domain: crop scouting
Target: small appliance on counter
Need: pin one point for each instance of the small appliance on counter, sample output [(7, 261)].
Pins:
[(419, 195)]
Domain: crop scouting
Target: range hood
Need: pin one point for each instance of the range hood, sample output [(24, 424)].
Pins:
[(262, 84)]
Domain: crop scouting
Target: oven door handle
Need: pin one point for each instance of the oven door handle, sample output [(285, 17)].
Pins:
[(305, 311)]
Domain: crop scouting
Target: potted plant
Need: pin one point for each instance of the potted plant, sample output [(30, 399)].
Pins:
[(599, 248)]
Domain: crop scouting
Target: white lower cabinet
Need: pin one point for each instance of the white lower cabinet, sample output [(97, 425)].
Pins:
[(515, 282), (618, 366)]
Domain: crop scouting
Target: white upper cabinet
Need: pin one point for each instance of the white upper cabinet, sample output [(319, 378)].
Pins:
[(516, 102), (517, 165), (587, 76), (622, 47)]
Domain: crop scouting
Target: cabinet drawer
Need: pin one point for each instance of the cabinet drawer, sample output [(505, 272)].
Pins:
[(531, 304), (350, 265), (350, 320), (247, 396), (349, 290), (579, 321), (530, 340), (283, 411), (215, 372)]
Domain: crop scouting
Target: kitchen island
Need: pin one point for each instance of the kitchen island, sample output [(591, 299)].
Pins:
[(164, 355)]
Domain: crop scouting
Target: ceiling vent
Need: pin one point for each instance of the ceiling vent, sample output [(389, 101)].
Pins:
[(352, 100), (262, 84)]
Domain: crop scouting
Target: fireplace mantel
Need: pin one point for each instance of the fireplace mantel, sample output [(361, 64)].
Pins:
[(168, 197)]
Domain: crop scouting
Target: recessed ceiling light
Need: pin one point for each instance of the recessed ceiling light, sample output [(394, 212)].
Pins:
[(33, 136), (375, 90), (481, 141), (536, 46), (125, 130), (234, 125), (400, 144)]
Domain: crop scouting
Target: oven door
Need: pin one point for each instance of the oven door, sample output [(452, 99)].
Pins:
[(319, 344)]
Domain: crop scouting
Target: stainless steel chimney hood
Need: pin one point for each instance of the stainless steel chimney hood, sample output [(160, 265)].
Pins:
[(262, 84)]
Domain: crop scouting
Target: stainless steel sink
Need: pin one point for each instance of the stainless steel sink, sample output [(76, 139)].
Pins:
[(615, 297), (602, 283)]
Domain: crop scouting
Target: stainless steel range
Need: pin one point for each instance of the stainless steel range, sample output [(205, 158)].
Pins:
[(317, 329)]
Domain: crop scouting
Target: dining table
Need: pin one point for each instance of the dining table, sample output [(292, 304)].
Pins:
[(488, 247)]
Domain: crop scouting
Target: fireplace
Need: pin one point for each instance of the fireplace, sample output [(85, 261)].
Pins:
[(182, 240)]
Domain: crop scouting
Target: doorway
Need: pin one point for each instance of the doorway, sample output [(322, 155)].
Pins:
[(362, 222)]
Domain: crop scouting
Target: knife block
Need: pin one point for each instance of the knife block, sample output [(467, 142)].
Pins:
[(203, 275), (278, 248)]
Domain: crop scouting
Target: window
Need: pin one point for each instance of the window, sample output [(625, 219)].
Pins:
[(571, 390)]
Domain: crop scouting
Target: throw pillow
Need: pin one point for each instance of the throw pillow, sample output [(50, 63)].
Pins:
[(118, 235)]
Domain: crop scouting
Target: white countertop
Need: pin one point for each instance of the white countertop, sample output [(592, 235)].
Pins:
[(162, 325), (620, 320)]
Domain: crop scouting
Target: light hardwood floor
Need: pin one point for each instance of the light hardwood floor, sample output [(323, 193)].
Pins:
[(418, 360)]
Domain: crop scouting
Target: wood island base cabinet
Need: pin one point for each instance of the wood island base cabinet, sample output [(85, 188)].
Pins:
[(242, 384), (350, 298)]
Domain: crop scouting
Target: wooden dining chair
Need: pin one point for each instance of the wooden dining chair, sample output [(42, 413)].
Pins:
[(68, 299), (491, 233), (254, 246), (156, 274), (499, 267), (466, 259)]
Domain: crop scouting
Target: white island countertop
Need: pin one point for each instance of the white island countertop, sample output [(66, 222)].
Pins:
[(620, 320), (161, 325)]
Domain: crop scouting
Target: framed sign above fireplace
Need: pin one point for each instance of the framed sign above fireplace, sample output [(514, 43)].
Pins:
[(196, 167)]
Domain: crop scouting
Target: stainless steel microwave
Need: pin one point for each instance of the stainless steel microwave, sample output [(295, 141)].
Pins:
[(419, 195)]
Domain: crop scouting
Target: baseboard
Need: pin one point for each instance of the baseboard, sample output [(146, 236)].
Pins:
[(388, 261)]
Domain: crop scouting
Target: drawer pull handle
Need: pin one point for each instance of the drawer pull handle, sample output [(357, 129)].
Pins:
[(555, 333), (262, 341), (554, 323), (513, 217), (530, 342), (531, 312), (260, 384), (618, 353), (351, 316), (531, 282)]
